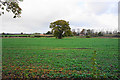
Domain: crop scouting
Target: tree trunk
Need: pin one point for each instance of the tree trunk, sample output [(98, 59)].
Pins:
[(60, 36)]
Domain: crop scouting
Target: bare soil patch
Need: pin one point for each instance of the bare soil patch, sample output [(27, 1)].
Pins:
[(65, 48), (76, 48)]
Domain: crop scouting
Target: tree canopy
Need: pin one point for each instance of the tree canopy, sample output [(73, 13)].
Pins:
[(60, 28), (10, 6)]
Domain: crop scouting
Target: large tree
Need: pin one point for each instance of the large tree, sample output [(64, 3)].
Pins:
[(60, 28), (10, 6)]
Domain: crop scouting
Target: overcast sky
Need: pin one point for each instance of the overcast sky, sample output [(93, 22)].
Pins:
[(38, 14)]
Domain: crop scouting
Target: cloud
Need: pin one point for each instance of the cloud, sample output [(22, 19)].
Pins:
[(37, 15)]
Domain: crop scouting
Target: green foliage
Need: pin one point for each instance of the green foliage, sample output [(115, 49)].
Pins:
[(3, 33), (12, 6), (55, 58), (88, 36), (95, 71), (98, 73), (48, 32), (60, 28), (100, 34), (74, 33), (88, 32), (67, 33)]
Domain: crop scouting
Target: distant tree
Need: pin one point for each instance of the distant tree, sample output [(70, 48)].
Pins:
[(110, 32), (59, 28), (95, 34), (49, 32), (83, 31), (100, 34), (74, 33), (10, 5), (21, 32), (88, 32), (3, 33)]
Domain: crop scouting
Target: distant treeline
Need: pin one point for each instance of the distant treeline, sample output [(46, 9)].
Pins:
[(92, 33), (84, 33), (24, 35)]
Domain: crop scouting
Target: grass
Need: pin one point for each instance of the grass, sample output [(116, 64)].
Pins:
[(55, 58)]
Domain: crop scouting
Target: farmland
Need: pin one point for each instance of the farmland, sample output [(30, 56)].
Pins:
[(55, 58)]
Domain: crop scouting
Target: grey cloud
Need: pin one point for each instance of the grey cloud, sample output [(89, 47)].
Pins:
[(37, 17)]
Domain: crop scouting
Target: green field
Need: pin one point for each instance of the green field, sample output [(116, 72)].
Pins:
[(55, 58)]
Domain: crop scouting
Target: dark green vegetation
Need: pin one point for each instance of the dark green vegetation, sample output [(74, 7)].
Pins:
[(61, 28), (55, 58), (17, 35), (10, 6), (25, 35)]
